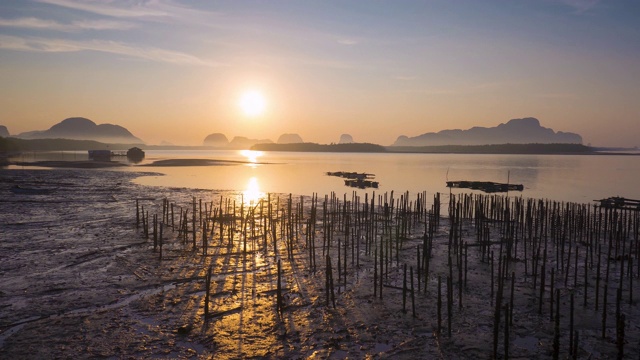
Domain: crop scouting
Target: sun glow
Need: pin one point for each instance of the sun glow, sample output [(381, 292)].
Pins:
[(252, 103), (251, 155), (252, 194)]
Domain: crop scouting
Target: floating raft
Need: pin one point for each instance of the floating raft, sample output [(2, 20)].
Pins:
[(351, 175), (360, 183), (486, 186), (617, 202), (357, 180)]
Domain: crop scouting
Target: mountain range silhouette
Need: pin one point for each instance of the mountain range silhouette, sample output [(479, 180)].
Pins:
[(79, 128), (515, 131)]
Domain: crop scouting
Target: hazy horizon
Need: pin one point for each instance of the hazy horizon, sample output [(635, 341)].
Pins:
[(79, 128), (177, 71)]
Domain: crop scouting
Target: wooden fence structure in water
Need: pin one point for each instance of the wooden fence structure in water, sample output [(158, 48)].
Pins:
[(529, 257)]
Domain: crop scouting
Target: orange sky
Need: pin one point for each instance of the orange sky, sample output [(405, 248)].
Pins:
[(175, 71)]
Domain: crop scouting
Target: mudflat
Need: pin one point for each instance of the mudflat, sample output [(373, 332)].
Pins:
[(81, 278)]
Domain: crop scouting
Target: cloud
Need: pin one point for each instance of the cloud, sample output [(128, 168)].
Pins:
[(42, 24), (151, 10), (581, 6), (101, 25), (347, 42), (35, 44), (294, 59), (113, 9)]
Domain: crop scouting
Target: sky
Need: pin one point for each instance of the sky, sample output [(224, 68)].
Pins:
[(175, 71)]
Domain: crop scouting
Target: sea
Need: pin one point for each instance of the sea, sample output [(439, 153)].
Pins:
[(565, 178)]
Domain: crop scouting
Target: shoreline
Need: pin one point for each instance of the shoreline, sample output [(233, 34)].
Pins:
[(96, 164)]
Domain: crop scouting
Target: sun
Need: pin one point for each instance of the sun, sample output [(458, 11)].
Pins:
[(252, 103)]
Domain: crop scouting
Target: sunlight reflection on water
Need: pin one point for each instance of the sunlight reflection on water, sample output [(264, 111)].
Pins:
[(577, 178), (251, 155), (252, 194), (559, 177)]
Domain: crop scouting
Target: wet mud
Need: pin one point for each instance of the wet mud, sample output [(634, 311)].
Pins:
[(81, 276)]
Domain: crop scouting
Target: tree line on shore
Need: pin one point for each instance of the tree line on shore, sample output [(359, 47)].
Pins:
[(10, 145)]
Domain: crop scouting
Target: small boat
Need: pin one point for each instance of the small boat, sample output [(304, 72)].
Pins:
[(486, 186), (17, 189)]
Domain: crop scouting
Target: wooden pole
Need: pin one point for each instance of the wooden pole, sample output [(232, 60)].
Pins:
[(556, 332), (413, 298), (207, 287), (404, 291), (279, 289), (439, 305)]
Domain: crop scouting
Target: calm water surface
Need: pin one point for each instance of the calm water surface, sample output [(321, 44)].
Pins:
[(576, 178)]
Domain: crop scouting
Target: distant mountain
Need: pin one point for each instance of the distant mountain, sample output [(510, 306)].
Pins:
[(241, 142), (79, 128), (4, 132), (516, 131), (216, 140), (313, 147), (346, 139), (497, 149), (290, 139)]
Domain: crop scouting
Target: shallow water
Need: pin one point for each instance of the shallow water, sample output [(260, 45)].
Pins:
[(575, 178)]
